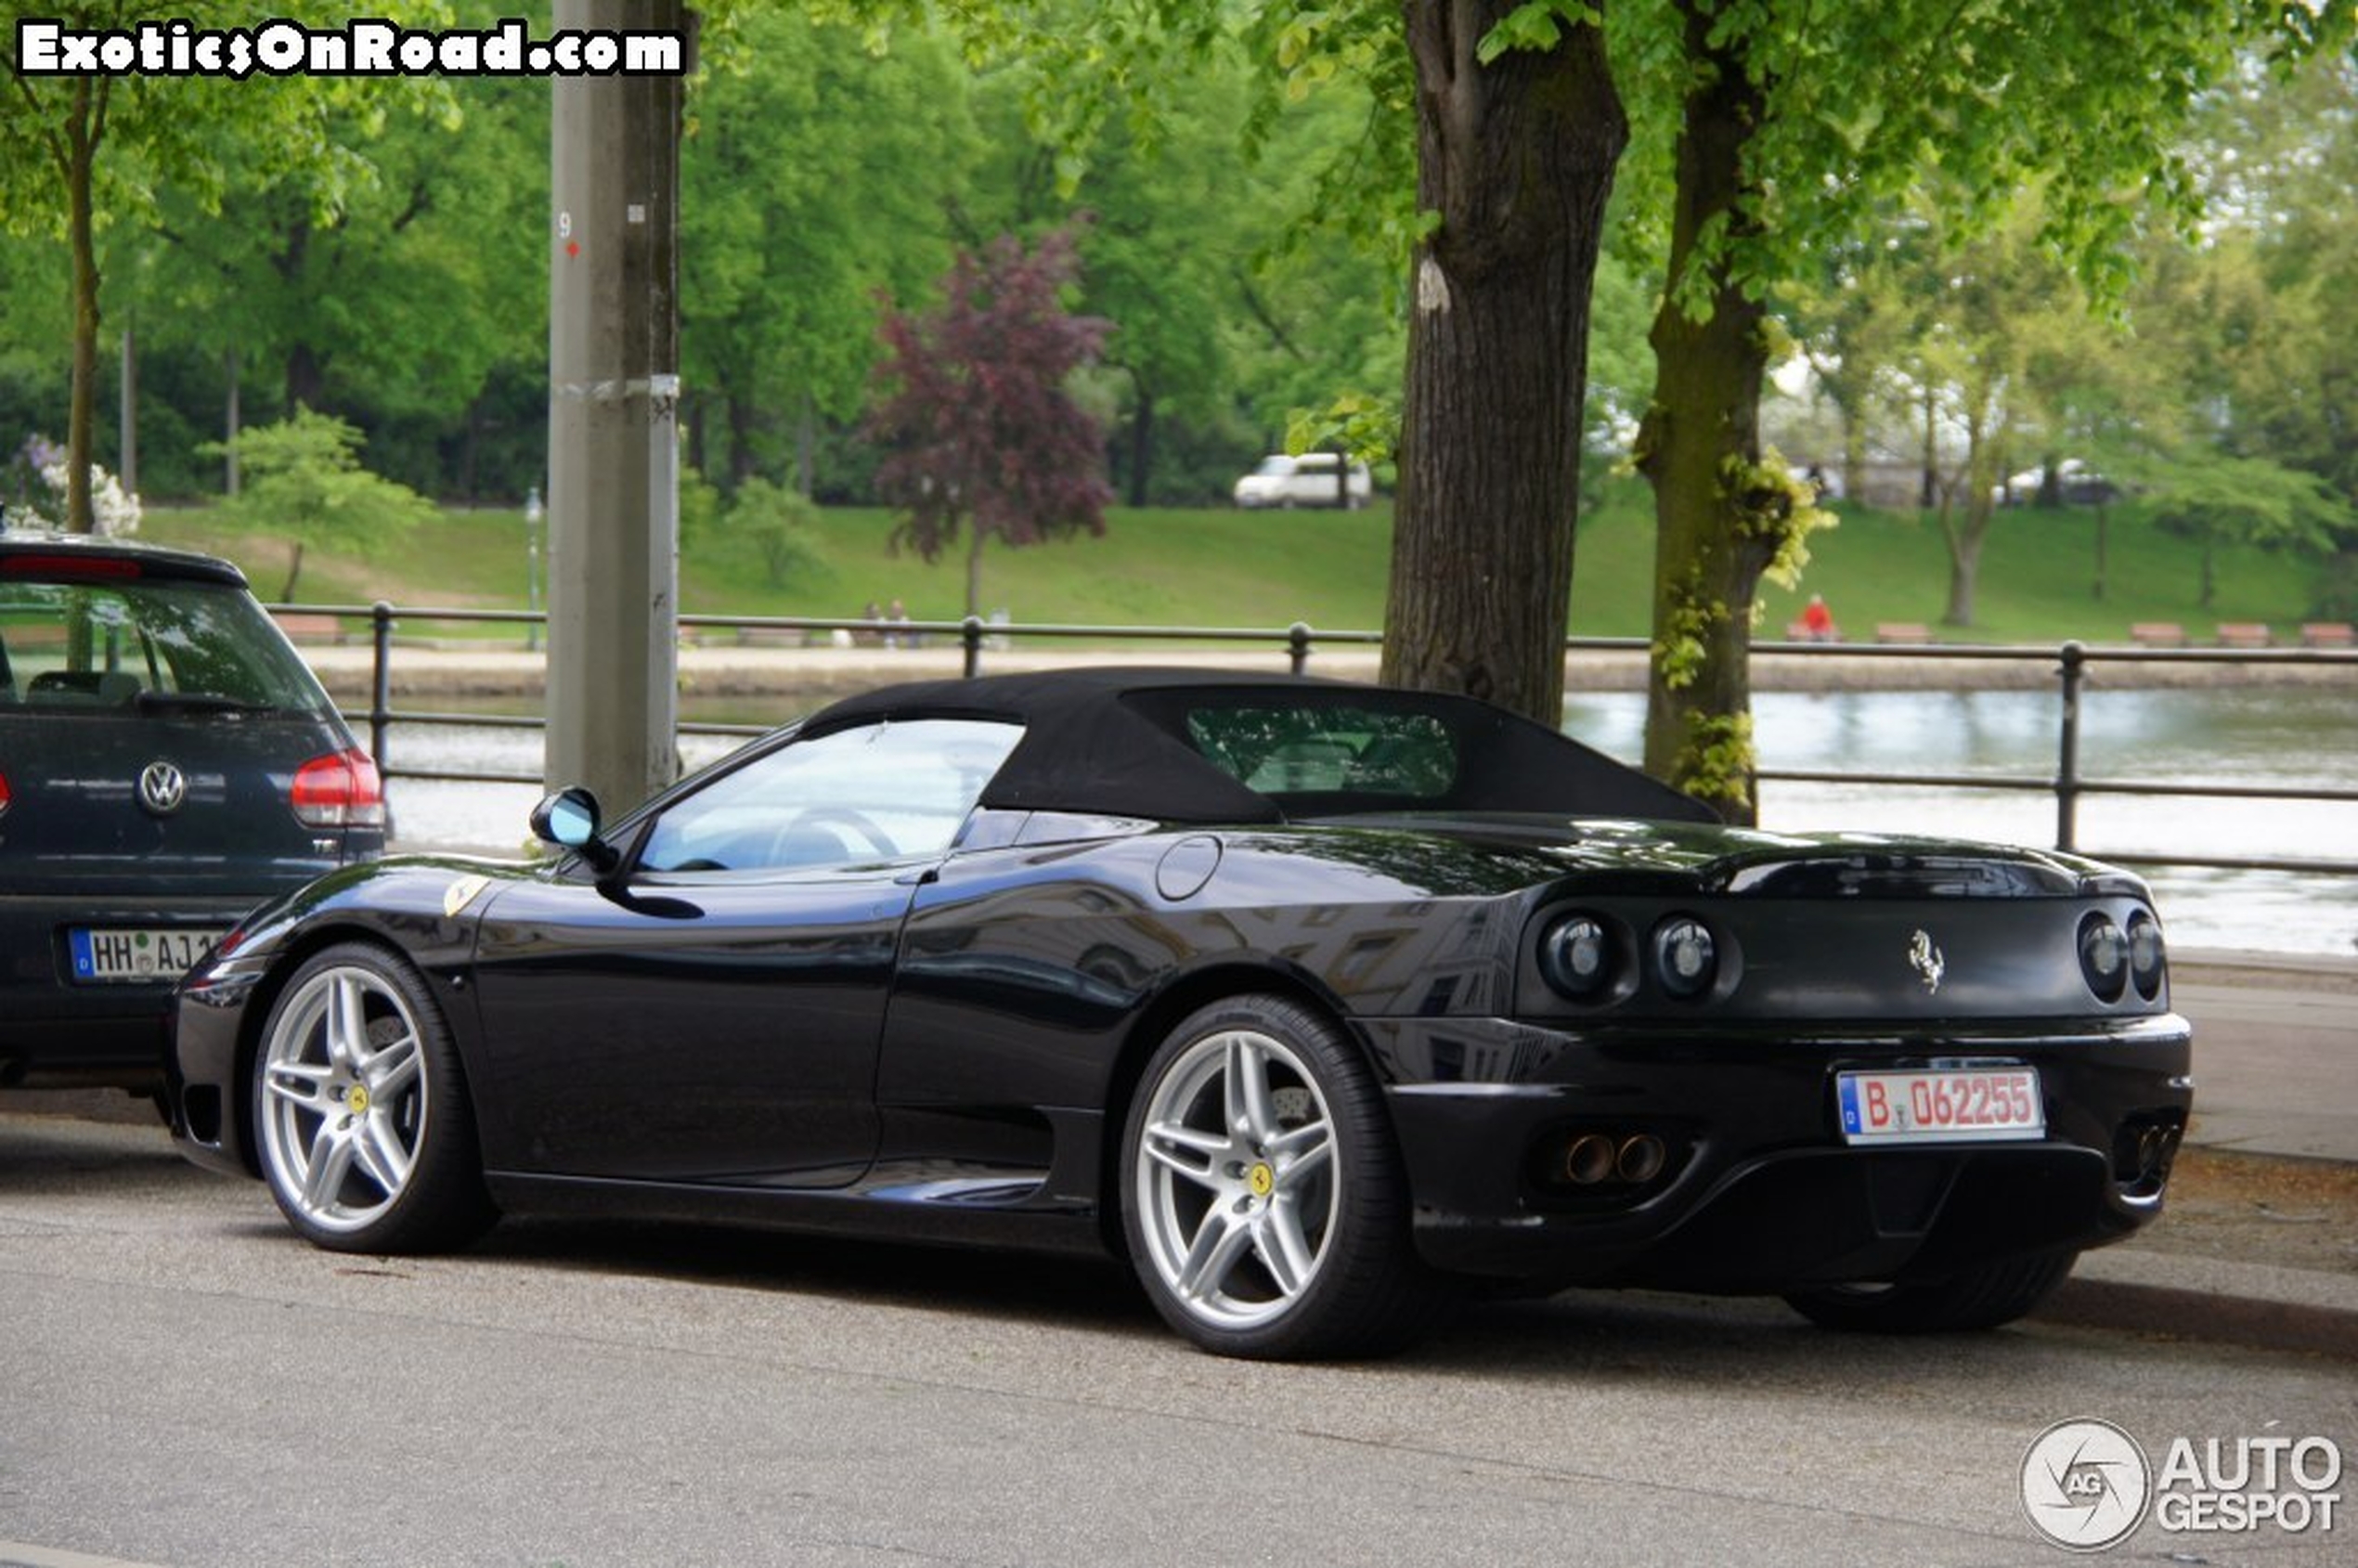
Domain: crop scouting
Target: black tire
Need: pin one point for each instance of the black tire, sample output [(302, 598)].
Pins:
[(1986, 1297), (1261, 1193), (362, 1122)]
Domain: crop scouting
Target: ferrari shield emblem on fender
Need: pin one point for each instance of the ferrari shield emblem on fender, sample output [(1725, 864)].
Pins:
[(1926, 961), (461, 894)]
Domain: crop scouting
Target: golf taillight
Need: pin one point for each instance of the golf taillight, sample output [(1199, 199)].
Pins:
[(4, 794), (339, 790)]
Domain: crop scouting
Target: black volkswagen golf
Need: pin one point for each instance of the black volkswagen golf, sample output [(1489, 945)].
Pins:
[(166, 761)]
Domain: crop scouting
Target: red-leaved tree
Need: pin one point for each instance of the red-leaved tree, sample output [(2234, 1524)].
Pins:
[(981, 434)]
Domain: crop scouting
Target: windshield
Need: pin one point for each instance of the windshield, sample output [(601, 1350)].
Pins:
[(88, 646)]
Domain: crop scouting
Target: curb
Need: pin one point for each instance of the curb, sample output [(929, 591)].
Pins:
[(2177, 1296)]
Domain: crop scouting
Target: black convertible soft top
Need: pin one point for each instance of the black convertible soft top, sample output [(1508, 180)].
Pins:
[(1126, 742)]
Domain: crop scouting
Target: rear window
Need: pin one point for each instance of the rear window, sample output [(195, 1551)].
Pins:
[(1325, 749), (94, 645)]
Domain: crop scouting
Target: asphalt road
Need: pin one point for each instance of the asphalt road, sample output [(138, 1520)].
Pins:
[(188, 1385)]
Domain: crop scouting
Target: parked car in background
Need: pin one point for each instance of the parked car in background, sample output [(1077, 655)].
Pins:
[(2076, 485), (1313, 1001), (166, 763), (1307, 480)]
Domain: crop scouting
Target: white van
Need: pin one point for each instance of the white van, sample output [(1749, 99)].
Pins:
[(1307, 480)]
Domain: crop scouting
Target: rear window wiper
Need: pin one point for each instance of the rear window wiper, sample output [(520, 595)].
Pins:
[(206, 702)]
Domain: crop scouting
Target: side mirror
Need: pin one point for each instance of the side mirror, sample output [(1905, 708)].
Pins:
[(569, 820)]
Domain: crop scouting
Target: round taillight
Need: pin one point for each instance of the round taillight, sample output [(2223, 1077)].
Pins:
[(1686, 957), (1576, 956), (341, 789), (2148, 957), (2104, 957)]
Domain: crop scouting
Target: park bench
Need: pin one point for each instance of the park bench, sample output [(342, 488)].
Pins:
[(2326, 634), (2244, 634), (1902, 631), (2158, 634)]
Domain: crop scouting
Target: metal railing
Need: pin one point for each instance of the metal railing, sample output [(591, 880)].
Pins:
[(976, 637)]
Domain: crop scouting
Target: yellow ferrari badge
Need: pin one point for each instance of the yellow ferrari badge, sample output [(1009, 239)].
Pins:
[(461, 894)]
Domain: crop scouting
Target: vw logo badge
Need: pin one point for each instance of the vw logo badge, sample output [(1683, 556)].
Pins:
[(162, 789)]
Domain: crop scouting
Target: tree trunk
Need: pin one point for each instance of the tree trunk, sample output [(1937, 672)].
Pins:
[(745, 429), (1965, 538), (127, 461), (973, 568), (307, 378), (1964, 571), (1498, 356), (699, 414), (1929, 492), (294, 571), (81, 149), (1720, 519), (2103, 528), (231, 421), (480, 423), (1142, 439), (806, 445), (1854, 457)]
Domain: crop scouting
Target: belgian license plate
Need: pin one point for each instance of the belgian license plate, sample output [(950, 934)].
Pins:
[(104, 955), (1940, 1106)]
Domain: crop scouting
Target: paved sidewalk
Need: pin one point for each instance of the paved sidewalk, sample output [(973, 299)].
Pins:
[(2276, 1051), (2275, 1074)]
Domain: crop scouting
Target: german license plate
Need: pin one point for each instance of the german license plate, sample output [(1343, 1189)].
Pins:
[(1945, 1106), (102, 955)]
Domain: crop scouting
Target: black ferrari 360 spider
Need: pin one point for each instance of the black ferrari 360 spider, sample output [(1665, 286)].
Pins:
[(1312, 999)]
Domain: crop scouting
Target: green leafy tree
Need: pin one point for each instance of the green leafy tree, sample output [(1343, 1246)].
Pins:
[(1493, 131), (76, 151), (396, 297), (2264, 317), (1160, 262), (815, 177), (782, 524), (1783, 144), (2199, 493), (304, 483)]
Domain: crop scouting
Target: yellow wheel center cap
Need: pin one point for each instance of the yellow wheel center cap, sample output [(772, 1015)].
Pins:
[(1262, 1180), (356, 1099)]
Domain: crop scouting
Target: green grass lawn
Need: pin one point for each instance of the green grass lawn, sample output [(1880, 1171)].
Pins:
[(1228, 568)]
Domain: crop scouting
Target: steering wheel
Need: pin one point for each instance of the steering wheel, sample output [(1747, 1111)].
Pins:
[(830, 818)]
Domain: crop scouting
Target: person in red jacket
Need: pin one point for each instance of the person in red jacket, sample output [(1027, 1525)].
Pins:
[(1818, 622)]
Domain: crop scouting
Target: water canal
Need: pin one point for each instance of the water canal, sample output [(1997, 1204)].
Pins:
[(2288, 737)]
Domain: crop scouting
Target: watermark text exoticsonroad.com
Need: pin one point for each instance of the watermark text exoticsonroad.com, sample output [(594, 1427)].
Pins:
[(360, 47)]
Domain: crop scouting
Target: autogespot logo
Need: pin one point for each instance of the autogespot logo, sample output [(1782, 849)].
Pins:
[(2085, 1484)]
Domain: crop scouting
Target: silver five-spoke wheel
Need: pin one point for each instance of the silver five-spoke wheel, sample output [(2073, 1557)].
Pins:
[(344, 1102), (364, 1136), (1237, 1179), (1261, 1193)]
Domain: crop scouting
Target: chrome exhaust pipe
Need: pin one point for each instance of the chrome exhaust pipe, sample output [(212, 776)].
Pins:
[(1640, 1160), (1589, 1159)]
